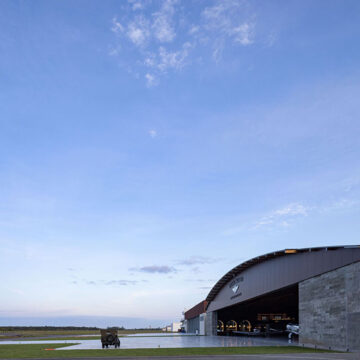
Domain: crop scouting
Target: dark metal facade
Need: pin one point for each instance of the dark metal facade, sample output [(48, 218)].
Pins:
[(277, 270), (193, 325)]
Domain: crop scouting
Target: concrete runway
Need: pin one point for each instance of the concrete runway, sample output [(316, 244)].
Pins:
[(310, 356)]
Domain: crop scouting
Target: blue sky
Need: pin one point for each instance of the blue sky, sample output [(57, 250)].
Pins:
[(147, 147)]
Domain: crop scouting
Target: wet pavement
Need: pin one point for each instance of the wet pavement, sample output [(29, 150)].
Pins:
[(141, 341), (183, 342)]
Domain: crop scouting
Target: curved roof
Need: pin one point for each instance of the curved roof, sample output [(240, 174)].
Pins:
[(259, 259)]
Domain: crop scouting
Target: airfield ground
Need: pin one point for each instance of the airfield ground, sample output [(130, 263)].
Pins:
[(38, 351)]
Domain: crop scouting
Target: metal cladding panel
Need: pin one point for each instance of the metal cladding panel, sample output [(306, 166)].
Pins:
[(198, 309), (279, 271)]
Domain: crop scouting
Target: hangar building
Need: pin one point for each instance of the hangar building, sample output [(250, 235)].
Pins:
[(317, 288)]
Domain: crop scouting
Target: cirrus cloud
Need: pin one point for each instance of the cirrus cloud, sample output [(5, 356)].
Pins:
[(163, 37), (155, 269), (198, 260)]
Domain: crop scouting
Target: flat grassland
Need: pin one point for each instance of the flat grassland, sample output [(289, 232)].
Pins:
[(38, 351)]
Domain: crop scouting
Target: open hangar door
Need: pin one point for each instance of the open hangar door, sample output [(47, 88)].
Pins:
[(265, 315)]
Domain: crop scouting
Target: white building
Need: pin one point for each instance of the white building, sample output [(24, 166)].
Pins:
[(173, 327)]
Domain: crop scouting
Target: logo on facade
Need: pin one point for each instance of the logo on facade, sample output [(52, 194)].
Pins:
[(235, 286)]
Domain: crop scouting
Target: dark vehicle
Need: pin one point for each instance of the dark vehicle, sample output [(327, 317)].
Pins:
[(109, 337)]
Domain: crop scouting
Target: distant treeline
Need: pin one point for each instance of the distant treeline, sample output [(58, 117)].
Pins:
[(70, 328), (44, 328)]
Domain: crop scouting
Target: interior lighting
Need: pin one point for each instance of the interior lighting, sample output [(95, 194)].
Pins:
[(290, 251)]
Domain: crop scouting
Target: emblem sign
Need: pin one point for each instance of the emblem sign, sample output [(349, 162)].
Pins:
[(234, 286)]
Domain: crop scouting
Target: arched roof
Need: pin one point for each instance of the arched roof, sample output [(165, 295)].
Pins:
[(259, 259)]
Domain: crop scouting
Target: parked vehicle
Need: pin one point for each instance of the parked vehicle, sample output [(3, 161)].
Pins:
[(109, 337)]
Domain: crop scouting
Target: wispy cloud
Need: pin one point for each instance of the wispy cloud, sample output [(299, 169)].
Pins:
[(338, 205), (112, 282), (288, 215), (122, 282), (174, 59), (228, 21), (163, 22), (117, 28), (153, 133), (137, 4), (151, 81), (271, 39), (196, 260), (164, 38), (162, 61), (282, 216), (201, 280), (350, 184), (244, 33), (196, 270), (138, 31), (155, 269)]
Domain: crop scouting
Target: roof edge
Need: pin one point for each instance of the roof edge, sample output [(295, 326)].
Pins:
[(259, 259)]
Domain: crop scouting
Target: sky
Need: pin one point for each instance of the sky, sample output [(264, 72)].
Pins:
[(148, 147)]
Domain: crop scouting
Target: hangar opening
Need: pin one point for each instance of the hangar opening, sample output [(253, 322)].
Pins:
[(265, 315), (312, 292)]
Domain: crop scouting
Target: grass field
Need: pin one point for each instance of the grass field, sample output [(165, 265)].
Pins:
[(38, 351)]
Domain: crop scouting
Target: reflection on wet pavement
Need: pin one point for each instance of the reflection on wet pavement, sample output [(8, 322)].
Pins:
[(184, 342), (176, 341)]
